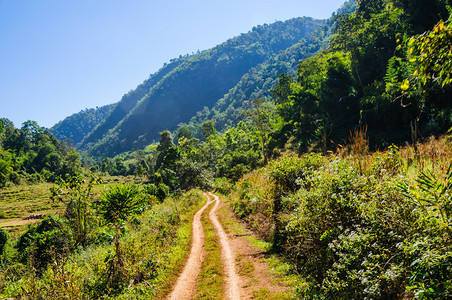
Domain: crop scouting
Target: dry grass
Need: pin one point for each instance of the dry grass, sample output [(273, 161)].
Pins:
[(434, 154), (21, 201), (262, 197), (265, 294), (246, 268)]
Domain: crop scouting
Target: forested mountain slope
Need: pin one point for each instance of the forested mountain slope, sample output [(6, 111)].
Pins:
[(128, 102), (182, 88), (258, 82), (78, 125), (32, 154)]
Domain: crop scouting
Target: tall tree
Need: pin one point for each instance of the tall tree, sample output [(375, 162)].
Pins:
[(166, 143), (262, 114)]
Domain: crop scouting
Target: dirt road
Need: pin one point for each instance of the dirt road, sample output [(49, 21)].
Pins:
[(186, 284), (246, 273), (227, 255)]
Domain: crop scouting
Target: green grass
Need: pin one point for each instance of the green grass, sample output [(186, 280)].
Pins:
[(246, 268), (264, 294), (22, 200), (210, 281), (154, 247), (175, 256)]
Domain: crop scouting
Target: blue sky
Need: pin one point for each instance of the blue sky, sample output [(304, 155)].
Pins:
[(58, 57)]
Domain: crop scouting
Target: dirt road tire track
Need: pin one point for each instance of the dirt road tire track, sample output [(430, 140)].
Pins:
[(185, 287), (227, 255), (186, 284)]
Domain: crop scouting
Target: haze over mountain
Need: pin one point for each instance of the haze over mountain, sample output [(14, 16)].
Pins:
[(60, 57), (78, 125), (239, 69)]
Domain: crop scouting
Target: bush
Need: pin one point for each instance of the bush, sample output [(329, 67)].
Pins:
[(430, 251), (350, 233), (75, 192), (345, 231), (121, 201), (40, 243), (160, 191), (223, 186), (3, 240), (430, 261), (289, 173)]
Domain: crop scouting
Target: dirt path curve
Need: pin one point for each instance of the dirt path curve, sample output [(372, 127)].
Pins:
[(186, 284), (227, 255)]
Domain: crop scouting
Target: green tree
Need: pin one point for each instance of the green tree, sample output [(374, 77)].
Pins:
[(282, 92), (120, 168), (431, 57), (419, 77), (184, 131), (75, 192), (6, 167), (262, 114), (31, 132), (322, 104), (166, 143), (369, 35), (207, 129)]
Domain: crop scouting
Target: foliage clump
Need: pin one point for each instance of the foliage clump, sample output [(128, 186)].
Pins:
[(356, 226), (160, 191), (41, 243), (32, 154), (3, 240), (121, 201)]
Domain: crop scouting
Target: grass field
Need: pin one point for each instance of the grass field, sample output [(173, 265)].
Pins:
[(19, 202)]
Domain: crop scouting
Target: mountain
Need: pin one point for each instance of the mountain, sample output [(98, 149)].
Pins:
[(258, 82), (78, 125), (127, 103), (186, 85)]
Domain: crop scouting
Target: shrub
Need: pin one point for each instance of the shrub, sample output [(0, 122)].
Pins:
[(223, 186), (121, 201), (430, 251), (40, 243), (75, 192), (289, 173), (387, 163), (430, 260), (433, 196), (341, 228), (3, 240), (161, 191), (237, 171)]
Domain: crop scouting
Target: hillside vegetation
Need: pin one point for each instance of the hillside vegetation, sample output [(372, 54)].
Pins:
[(126, 104), (358, 225), (344, 166), (185, 86), (75, 127), (32, 154)]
